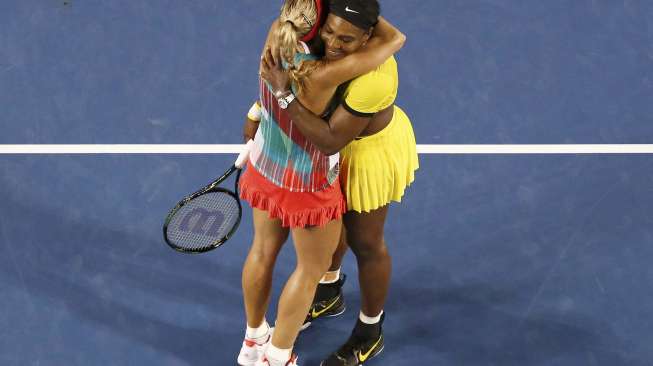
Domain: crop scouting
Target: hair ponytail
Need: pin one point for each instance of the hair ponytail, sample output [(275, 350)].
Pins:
[(288, 39), (296, 20)]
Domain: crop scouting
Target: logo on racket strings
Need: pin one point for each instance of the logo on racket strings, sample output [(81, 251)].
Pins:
[(197, 220)]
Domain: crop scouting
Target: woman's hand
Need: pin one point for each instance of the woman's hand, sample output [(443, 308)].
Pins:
[(273, 72)]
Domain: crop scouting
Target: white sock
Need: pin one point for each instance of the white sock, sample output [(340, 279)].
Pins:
[(277, 356), (331, 275), (255, 333), (370, 320)]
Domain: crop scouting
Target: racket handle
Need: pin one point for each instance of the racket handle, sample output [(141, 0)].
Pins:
[(241, 161)]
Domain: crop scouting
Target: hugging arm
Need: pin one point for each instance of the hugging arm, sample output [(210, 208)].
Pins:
[(343, 127), (328, 136), (386, 40)]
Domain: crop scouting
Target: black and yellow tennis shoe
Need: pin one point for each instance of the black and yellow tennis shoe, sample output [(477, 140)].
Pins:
[(328, 302), (365, 343)]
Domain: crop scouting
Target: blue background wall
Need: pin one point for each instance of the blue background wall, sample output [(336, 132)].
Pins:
[(499, 260)]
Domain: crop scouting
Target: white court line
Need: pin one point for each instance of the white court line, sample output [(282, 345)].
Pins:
[(236, 148)]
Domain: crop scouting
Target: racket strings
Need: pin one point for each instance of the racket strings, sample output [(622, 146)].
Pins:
[(204, 221)]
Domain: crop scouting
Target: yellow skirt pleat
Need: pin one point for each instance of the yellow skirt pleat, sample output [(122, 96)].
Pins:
[(375, 170)]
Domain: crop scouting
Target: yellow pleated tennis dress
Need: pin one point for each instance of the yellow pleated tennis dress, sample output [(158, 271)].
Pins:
[(376, 169)]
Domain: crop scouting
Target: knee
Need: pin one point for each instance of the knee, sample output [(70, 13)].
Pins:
[(264, 252), (314, 271), (368, 247)]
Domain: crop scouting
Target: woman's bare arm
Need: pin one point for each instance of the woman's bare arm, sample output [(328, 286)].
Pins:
[(385, 41)]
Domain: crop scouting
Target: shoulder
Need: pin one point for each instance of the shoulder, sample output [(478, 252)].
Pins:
[(380, 80), (373, 91)]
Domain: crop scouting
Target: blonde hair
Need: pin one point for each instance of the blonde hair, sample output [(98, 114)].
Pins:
[(297, 18)]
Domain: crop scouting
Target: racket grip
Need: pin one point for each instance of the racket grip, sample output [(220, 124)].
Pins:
[(241, 161)]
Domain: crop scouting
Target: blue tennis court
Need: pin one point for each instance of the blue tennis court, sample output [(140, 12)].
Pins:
[(516, 259)]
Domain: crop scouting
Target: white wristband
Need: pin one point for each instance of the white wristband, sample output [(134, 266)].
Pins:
[(254, 113)]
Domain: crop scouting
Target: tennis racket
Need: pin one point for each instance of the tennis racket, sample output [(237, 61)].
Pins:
[(206, 219)]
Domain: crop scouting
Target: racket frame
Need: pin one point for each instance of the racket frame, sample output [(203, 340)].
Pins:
[(210, 188)]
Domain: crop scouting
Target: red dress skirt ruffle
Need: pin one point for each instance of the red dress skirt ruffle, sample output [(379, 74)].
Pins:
[(294, 209)]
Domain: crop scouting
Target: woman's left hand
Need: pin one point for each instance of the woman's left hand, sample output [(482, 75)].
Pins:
[(274, 73)]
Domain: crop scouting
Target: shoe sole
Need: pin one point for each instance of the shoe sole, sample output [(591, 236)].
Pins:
[(308, 324)]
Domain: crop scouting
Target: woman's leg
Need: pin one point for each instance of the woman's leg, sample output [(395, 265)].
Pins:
[(366, 240), (314, 247), (269, 237), (339, 254)]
